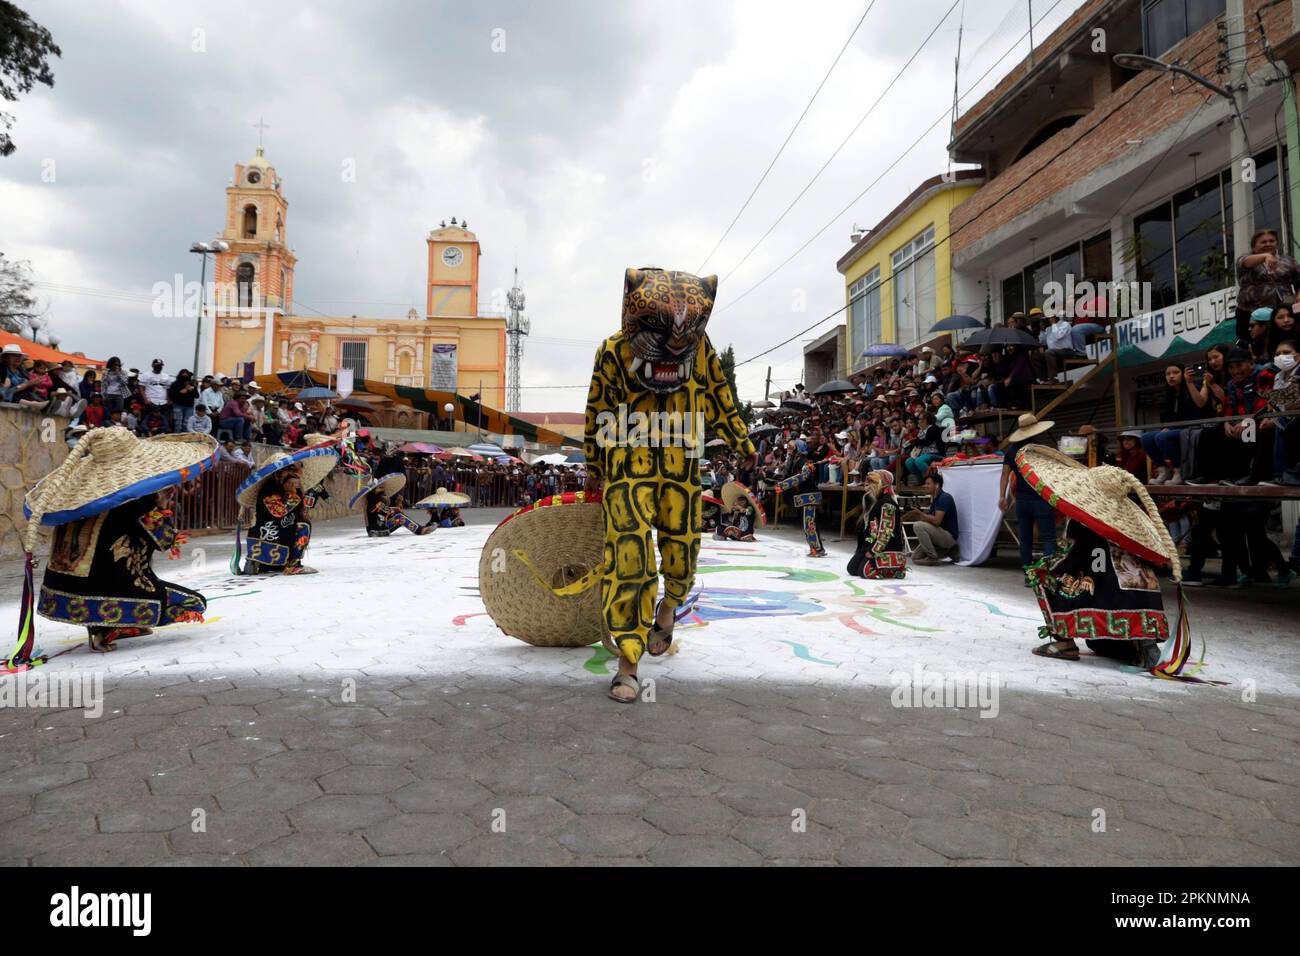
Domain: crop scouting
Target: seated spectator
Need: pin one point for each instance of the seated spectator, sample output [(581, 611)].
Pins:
[(235, 418), (1249, 451), (926, 449), (89, 385), (1281, 328), (200, 422), (228, 452), (1286, 444), (95, 414), (1058, 345), (1164, 447), (1130, 456), (935, 529), (1261, 321)]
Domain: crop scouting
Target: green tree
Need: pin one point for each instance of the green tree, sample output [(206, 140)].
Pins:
[(17, 303), (25, 48), (728, 361)]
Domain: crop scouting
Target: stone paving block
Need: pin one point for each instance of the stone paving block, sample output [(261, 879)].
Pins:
[(300, 764), (776, 838), (269, 794), (107, 849), (961, 839), (314, 849), (433, 833), (366, 780), (37, 778), (230, 831), (152, 814), (505, 849), (702, 851), (608, 835), (198, 779), (437, 795), (342, 813)]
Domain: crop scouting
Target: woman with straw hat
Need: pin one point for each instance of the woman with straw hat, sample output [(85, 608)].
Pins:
[(1102, 584), (279, 494), (882, 550), (110, 503), (382, 519), (1031, 510)]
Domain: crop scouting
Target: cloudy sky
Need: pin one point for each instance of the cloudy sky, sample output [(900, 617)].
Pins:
[(578, 138)]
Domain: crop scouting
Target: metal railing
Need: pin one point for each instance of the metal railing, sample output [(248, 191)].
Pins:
[(209, 502)]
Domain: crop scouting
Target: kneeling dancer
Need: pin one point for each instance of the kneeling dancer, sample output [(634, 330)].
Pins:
[(382, 518), (882, 550), (661, 376), (111, 503), (1101, 585), (741, 513), (280, 493)]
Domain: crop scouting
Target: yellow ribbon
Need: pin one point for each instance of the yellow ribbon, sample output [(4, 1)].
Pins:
[(568, 590)]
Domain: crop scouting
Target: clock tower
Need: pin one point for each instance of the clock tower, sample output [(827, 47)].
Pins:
[(453, 272)]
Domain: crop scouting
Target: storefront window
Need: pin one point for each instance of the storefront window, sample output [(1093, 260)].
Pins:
[(1154, 254)]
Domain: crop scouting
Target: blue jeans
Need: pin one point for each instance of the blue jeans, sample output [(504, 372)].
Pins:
[(1163, 447), (1031, 512), (236, 428), (917, 466), (181, 414), (1079, 334)]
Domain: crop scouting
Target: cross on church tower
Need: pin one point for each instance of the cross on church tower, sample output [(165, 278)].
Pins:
[(259, 126)]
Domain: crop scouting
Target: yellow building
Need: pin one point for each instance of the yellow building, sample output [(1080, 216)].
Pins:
[(897, 276), (253, 330)]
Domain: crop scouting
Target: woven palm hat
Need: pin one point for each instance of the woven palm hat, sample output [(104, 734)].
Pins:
[(317, 462), (111, 466), (1099, 498), (733, 492), (442, 498), (1027, 426), (539, 573), (387, 486)]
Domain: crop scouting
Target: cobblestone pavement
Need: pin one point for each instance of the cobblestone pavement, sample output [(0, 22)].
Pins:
[(513, 755)]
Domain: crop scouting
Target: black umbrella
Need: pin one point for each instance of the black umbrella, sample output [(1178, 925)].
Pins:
[(763, 431), (796, 405), (954, 322), (836, 387), (999, 336)]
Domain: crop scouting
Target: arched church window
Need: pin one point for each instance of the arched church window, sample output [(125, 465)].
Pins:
[(250, 222), (405, 360), (244, 284)]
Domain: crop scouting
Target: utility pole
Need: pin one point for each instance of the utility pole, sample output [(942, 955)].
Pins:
[(767, 386), (517, 326), (1243, 200)]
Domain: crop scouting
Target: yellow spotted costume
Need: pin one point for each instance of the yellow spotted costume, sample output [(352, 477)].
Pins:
[(655, 384)]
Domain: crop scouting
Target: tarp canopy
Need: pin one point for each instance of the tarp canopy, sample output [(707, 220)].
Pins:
[(45, 353), (428, 400)]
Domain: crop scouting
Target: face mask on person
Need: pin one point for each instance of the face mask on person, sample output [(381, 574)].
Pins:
[(1284, 362)]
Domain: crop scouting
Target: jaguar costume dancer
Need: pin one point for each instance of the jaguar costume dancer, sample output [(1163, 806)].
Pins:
[(807, 499), (280, 495), (112, 505), (656, 384), (1102, 585), (882, 550)]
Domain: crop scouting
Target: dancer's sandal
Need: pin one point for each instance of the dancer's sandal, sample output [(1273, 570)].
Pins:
[(1059, 650), (658, 633), (100, 644), (625, 680), (299, 569)]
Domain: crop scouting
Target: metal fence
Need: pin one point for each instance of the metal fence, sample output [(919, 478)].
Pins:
[(486, 489), (209, 502)]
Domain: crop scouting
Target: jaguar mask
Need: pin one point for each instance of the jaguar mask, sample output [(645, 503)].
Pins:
[(664, 314)]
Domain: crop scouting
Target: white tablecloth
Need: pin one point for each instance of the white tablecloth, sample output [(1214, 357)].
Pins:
[(975, 490)]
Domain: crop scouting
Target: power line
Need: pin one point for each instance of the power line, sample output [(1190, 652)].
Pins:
[(844, 142), (786, 142)]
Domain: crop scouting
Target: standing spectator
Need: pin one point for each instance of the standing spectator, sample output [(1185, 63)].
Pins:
[(183, 395), (1281, 328), (155, 385), (211, 395), (1264, 280), (115, 387), (1286, 445), (1257, 334), (1131, 457), (89, 385), (1031, 509)]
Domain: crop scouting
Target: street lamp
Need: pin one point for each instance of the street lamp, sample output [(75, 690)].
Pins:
[(203, 248), (1136, 61), (450, 409)]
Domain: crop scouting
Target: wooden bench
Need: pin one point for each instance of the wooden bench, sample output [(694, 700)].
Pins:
[(1235, 492)]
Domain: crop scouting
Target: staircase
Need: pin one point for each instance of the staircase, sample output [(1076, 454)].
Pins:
[(1043, 398)]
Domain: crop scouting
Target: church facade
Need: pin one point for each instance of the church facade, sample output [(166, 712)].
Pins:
[(251, 327)]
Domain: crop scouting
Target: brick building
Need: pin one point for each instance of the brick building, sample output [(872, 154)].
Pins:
[(1106, 174)]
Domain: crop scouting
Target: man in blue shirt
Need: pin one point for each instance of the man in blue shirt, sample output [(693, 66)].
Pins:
[(936, 529)]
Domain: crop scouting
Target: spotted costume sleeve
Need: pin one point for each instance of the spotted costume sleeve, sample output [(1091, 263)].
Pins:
[(603, 396), (720, 411)]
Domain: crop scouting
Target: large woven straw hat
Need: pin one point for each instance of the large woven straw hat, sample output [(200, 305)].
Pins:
[(317, 462), (442, 498), (539, 572), (387, 486), (1027, 426), (110, 467), (734, 491), (1099, 498)]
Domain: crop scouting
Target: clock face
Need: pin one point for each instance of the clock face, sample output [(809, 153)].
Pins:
[(254, 177), (452, 256)]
